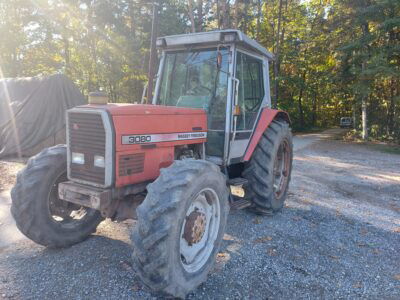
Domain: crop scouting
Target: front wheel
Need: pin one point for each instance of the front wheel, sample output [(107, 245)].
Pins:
[(180, 227), (269, 170), (37, 209)]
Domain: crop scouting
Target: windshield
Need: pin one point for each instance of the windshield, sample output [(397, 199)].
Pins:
[(193, 79)]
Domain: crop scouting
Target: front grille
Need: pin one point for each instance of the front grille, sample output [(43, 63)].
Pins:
[(87, 135), (131, 164)]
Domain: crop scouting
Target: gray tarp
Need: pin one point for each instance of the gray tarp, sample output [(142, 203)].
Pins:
[(37, 107)]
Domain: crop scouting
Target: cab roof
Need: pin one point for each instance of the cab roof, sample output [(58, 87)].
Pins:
[(213, 38)]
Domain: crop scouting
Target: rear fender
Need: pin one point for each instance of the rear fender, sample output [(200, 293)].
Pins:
[(266, 117)]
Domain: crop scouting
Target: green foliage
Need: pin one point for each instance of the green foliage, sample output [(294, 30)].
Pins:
[(332, 53), (100, 44)]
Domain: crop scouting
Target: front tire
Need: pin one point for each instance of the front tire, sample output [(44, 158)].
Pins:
[(37, 210), (269, 169), (180, 227)]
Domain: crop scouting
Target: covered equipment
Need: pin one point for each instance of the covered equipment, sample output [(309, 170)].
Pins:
[(32, 112)]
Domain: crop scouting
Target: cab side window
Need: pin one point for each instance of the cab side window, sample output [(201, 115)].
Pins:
[(249, 71)]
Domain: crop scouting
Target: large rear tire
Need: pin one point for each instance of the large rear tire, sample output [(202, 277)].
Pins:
[(37, 210), (269, 169), (180, 227)]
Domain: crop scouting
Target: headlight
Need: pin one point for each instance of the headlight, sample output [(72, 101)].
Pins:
[(78, 158), (99, 161)]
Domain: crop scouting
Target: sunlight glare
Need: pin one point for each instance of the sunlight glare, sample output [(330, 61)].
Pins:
[(10, 112)]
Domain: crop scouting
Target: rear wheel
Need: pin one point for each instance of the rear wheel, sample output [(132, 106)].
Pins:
[(269, 169), (38, 211), (180, 227)]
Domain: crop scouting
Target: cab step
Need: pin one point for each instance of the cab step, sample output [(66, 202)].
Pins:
[(238, 181), (239, 203)]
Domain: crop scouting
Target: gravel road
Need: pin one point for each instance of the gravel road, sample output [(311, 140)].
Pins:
[(337, 237)]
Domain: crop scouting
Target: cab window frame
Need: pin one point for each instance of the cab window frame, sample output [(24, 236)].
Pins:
[(264, 82)]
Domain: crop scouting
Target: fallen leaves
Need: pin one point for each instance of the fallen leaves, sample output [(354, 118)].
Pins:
[(263, 239), (136, 287), (397, 230), (272, 252), (395, 207), (257, 220), (228, 237), (126, 266), (333, 256), (376, 251), (358, 285), (223, 257), (397, 277)]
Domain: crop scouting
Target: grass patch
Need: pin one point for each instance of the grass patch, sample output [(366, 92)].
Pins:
[(386, 147), (308, 130), (392, 149)]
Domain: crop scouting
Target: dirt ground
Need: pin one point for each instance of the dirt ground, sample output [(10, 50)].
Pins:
[(337, 237), (8, 171)]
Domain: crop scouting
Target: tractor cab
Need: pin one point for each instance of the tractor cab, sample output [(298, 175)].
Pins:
[(223, 72)]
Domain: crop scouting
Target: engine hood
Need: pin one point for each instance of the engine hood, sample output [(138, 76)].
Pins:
[(127, 109)]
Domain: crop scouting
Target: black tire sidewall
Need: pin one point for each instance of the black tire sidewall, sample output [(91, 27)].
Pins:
[(210, 181), (34, 187), (277, 203), (260, 169)]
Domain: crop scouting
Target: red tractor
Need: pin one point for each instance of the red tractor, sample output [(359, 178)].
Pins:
[(209, 142)]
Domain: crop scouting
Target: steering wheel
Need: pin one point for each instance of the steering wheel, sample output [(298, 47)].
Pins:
[(198, 90)]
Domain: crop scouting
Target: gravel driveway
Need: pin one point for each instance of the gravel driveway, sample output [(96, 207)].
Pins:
[(337, 237)]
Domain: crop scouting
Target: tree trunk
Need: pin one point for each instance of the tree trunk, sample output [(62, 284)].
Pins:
[(259, 12), (131, 8), (225, 14), (392, 82), (314, 108), (191, 16), (364, 97), (218, 14), (301, 112), (355, 121), (200, 15), (153, 53), (67, 56), (245, 16), (237, 13), (364, 117), (276, 62), (391, 109)]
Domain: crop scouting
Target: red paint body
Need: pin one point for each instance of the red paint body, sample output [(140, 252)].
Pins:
[(138, 119), (266, 117), (131, 119)]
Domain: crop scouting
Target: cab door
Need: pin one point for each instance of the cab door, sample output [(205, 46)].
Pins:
[(252, 95)]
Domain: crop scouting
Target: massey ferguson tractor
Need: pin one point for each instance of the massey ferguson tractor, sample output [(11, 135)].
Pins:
[(208, 142)]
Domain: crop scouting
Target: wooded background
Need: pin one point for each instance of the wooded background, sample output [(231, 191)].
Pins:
[(334, 58)]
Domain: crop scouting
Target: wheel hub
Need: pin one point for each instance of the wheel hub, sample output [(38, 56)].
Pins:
[(199, 230), (195, 227)]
